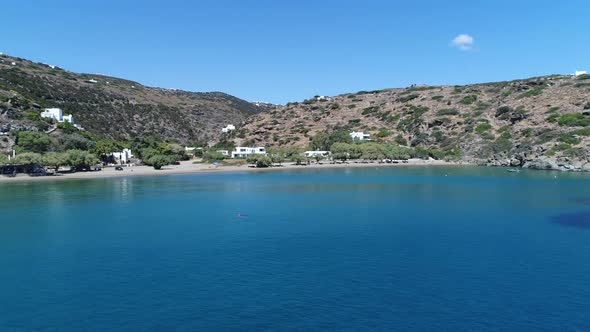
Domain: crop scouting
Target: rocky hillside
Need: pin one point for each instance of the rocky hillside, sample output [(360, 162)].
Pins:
[(112, 107), (494, 123)]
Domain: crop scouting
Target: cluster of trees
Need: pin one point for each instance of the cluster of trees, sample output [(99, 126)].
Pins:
[(342, 147), (370, 151), (323, 141), (260, 160), (82, 149), (158, 154), (75, 158)]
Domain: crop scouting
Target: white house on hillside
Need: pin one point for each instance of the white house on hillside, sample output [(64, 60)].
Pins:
[(580, 72), (57, 115), (122, 157), (311, 154), (244, 152), (360, 136), (228, 128)]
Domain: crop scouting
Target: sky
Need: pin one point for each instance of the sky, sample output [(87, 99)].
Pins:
[(288, 50)]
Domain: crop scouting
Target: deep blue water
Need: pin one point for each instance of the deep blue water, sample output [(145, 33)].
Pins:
[(389, 249)]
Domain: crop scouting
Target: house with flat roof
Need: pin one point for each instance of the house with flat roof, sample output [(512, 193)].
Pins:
[(312, 154), (57, 115), (228, 128), (360, 136), (244, 152), (122, 157)]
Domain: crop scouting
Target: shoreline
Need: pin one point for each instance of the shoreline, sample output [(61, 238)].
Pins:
[(187, 167)]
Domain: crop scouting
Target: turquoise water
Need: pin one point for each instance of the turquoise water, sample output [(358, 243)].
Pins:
[(404, 249)]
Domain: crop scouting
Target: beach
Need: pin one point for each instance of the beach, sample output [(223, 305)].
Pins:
[(189, 166)]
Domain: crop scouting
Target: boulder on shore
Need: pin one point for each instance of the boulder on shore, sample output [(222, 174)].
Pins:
[(541, 163)]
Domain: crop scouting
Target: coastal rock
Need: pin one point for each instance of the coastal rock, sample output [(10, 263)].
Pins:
[(542, 163), (515, 162), (585, 167)]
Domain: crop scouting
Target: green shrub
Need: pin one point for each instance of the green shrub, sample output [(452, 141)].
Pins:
[(528, 132), (383, 132), (399, 139), (553, 118), (405, 99), (532, 92), (503, 110), (569, 139), (574, 120), (581, 132), (562, 146), (33, 141), (211, 156), (483, 128), (447, 111), (468, 100), (487, 136)]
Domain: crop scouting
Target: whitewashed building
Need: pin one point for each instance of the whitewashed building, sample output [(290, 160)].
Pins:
[(223, 152), (122, 156), (190, 150), (57, 115), (228, 128), (360, 136), (312, 154), (244, 152), (580, 72)]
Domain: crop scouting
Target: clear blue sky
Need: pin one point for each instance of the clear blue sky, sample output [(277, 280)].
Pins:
[(288, 50)]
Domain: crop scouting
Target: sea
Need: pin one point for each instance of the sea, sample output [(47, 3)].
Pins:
[(361, 249)]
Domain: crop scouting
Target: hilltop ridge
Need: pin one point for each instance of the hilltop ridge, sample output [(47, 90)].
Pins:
[(113, 107), (502, 123)]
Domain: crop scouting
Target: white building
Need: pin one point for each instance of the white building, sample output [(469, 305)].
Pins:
[(311, 154), (580, 72), (123, 156), (223, 152), (57, 115), (228, 128), (360, 136), (244, 152)]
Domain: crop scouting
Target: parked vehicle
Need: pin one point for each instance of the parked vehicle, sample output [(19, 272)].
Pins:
[(119, 168)]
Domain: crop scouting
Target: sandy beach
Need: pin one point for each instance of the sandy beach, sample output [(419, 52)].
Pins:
[(188, 167)]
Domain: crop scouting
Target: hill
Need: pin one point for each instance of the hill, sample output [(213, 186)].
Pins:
[(112, 107), (537, 120)]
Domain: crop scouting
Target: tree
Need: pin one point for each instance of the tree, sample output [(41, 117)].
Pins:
[(372, 151), (340, 151), (277, 158), (3, 159), (80, 159), (158, 161), (323, 141), (213, 156), (263, 161), (345, 151), (76, 142), (318, 158), (104, 147), (298, 159), (254, 157), (54, 159), (33, 141), (397, 152), (27, 158)]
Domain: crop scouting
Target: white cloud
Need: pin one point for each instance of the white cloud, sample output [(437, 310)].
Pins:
[(463, 41)]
